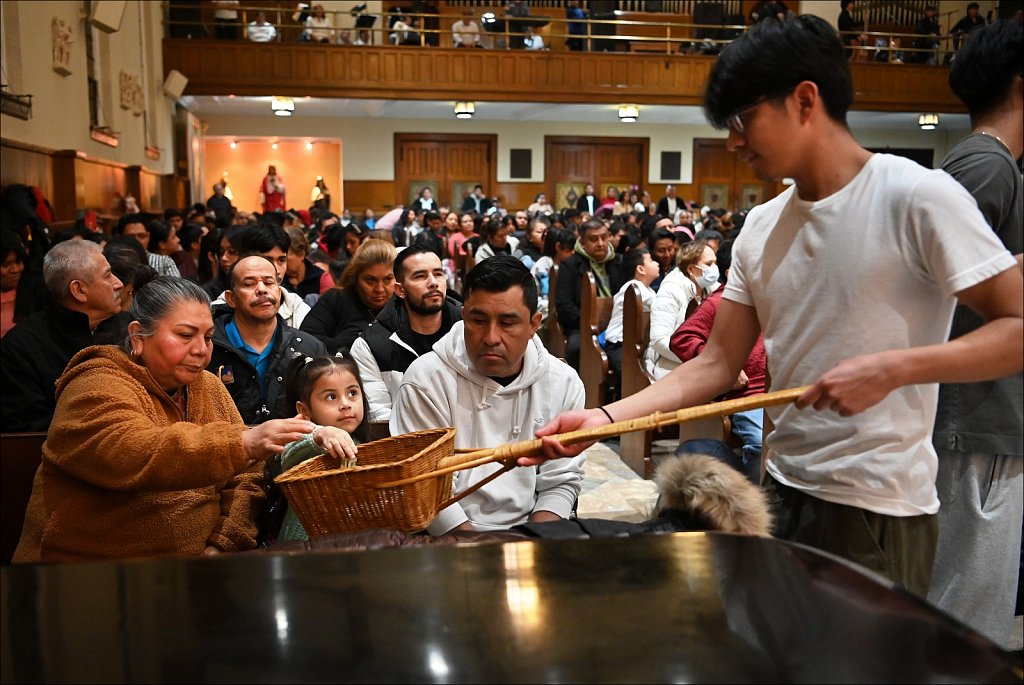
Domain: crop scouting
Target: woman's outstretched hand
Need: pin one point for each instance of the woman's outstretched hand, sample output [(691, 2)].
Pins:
[(270, 437)]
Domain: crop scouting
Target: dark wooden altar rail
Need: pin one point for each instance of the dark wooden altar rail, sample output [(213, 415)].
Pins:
[(414, 73)]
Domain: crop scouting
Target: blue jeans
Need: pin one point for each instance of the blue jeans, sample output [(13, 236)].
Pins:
[(748, 426)]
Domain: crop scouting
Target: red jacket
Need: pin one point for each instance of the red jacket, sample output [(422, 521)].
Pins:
[(690, 338)]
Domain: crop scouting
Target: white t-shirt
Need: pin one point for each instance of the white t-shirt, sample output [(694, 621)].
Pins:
[(613, 333), (262, 33), (872, 267)]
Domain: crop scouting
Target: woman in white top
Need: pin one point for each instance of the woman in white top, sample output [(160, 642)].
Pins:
[(496, 238), (695, 277), (319, 27), (540, 205)]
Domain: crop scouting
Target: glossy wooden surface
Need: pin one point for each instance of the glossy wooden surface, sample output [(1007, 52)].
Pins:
[(675, 608)]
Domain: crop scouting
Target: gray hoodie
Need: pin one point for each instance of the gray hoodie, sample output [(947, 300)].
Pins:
[(443, 389)]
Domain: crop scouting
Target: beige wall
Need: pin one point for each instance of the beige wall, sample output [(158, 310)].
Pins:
[(247, 164), (60, 104)]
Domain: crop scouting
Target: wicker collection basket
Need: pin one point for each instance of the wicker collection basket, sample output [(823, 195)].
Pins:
[(330, 499), (402, 482)]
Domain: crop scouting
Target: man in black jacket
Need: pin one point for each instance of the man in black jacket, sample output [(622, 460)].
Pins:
[(477, 201), (83, 308), (418, 315), (253, 346), (593, 253)]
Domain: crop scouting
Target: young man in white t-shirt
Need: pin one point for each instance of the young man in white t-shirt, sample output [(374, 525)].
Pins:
[(851, 466), (642, 270)]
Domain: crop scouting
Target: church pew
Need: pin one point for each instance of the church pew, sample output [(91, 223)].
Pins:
[(636, 328), (594, 371), (20, 457), (552, 335)]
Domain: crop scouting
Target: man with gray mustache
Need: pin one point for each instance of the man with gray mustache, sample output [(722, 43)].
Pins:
[(253, 346)]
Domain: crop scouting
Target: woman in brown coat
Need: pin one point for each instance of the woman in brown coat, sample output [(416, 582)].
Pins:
[(146, 454)]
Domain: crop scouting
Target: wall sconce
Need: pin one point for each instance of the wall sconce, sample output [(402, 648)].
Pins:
[(282, 107), (309, 146), (465, 110), (233, 145), (273, 146), (628, 114), (928, 121)]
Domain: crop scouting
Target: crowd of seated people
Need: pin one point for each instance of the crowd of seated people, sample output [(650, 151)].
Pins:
[(210, 310), (419, 24)]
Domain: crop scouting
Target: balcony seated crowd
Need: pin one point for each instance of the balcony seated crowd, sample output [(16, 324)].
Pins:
[(577, 27)]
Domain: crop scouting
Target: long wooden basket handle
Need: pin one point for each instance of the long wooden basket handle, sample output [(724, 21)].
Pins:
[(529, 448)]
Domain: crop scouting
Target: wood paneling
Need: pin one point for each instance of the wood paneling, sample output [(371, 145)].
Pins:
[(713, 163), (413, 73), (27, 165), (601, 161), (377, 195), (450, 163), (72, 181), (517, 195)]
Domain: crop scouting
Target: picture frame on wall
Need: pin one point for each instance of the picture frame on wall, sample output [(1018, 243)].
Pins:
[(416, 186), (567, 194), (751, 196), (714, 195)]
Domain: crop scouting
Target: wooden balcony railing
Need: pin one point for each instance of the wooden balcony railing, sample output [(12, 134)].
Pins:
[(240, 67)]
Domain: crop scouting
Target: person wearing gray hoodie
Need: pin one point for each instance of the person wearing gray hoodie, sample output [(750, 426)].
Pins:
[(492, 379)]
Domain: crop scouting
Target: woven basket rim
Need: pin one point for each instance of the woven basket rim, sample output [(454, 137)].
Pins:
[(298, 473)]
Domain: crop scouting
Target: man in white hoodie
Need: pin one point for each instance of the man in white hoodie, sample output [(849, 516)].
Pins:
[(494, 381)]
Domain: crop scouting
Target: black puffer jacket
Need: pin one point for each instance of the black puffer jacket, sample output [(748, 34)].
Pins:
[(337, 319), (386, 349), (240, 378)]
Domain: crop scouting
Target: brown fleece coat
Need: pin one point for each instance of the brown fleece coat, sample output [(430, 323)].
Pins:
[(123, 475)]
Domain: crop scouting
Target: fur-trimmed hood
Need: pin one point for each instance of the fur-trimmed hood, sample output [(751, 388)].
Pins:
[(711, 490)]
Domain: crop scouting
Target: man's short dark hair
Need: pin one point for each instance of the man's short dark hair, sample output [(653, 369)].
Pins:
[(125, 220), (591, 225), (431, 216), (411, 251), (262, 238), (724, 258), (973, 6), (660, 234), (499, 273), (984, 69), (171, 212), (632, 260), (709, 234), (771, 59)]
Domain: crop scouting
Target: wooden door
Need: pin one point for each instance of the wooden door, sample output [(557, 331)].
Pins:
[(571, 162), (722, 179), (449, 164)]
